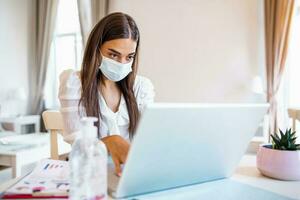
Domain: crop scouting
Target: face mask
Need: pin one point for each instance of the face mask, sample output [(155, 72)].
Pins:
[(114, 70)]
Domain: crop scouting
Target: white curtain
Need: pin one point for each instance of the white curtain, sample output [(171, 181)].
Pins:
[(90, 12), (46, 11)]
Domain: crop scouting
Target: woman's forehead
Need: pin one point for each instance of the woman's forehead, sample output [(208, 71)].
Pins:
[(123, 46)]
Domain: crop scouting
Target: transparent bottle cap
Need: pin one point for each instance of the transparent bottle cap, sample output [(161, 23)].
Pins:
[(88, 121), (88, 128)]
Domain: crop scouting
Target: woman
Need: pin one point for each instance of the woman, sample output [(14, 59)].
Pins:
[(107, 86)]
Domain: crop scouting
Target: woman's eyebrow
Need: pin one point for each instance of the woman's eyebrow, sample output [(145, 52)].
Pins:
[(116, 52)]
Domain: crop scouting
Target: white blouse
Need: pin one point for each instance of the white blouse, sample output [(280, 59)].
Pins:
[(111, 123)]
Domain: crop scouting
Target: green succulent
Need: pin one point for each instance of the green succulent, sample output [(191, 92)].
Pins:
[(286, 141)]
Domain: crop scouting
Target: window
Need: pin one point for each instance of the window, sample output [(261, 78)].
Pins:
[(66, 49), (293, 62)]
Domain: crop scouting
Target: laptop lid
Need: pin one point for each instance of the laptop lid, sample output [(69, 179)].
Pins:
[(183, 144)]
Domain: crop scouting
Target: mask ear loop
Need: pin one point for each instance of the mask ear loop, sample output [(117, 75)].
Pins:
[(101, 54)]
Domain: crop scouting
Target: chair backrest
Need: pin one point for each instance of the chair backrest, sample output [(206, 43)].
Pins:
[(54, 123), (294, 113)]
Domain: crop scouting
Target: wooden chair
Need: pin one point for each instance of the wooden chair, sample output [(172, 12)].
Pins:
[(294, 113), (54, 123)]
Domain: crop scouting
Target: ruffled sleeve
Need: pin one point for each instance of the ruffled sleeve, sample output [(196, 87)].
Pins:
[(69, 96), (70, 85), (144, 92)]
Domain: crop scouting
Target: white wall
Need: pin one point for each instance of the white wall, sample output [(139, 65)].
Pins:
[(193, 50), (199, 50), (16, 22)]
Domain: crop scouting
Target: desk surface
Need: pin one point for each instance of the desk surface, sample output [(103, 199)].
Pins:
[(246, 173), (22, 143)]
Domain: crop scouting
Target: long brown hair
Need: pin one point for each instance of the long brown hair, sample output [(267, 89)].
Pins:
[(113, 26)]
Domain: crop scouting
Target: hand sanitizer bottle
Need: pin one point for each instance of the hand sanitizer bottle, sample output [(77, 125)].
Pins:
[(88, 164)]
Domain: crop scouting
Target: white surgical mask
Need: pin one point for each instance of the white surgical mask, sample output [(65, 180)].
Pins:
[(114, 70)]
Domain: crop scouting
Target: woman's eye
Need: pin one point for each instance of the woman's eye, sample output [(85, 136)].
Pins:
[(130, 58), (113, 55)]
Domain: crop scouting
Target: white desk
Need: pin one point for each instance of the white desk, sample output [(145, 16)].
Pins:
[(27, 148), (246, 173)]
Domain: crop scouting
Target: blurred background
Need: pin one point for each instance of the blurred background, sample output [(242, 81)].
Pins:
[(193, 51)]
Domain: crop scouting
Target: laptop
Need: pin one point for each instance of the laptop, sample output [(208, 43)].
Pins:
[(179, 144)]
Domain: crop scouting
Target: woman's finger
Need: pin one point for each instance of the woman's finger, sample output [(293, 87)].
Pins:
[(117, 165), (124, 157)]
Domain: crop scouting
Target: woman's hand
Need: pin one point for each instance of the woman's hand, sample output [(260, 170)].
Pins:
[(118, 148)]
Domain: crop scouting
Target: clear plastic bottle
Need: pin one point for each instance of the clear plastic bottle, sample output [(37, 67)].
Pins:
[(88, 164)]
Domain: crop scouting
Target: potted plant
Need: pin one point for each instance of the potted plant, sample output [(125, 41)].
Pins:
[(281, 159)]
